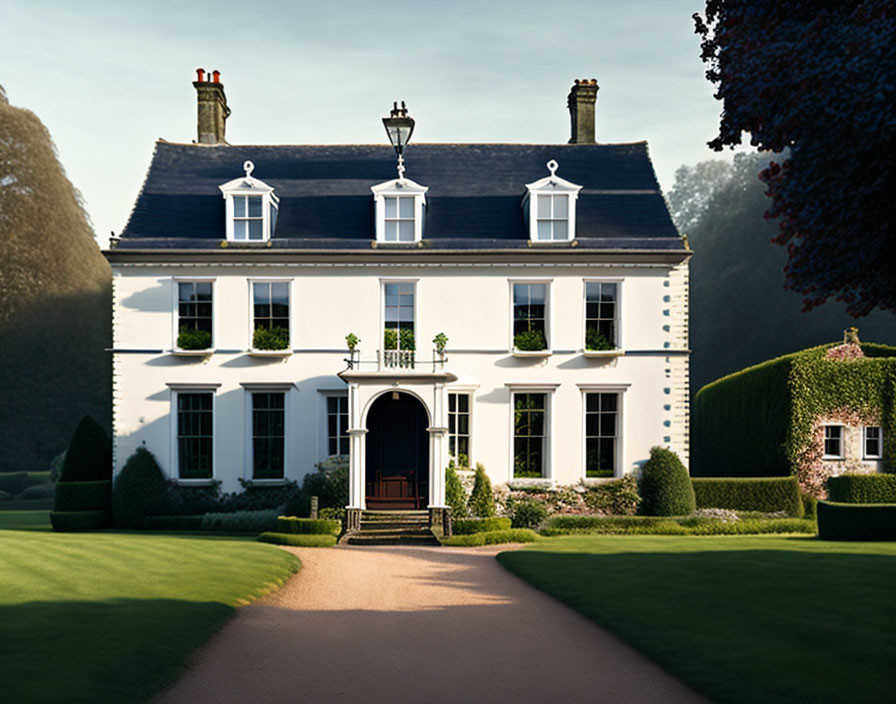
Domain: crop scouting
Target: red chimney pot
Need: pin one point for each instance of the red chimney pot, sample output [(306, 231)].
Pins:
[(199, 74), (216, 76)]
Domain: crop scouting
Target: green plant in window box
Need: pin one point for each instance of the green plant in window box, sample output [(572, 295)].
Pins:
[(391, 338), (276, 338), (440, 341), (530, 341), (352, 341), (596, 342), (193, 339)]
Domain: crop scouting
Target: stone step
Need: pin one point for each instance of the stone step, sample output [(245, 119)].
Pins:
[(426, 538), (394, 525), (400, 530)]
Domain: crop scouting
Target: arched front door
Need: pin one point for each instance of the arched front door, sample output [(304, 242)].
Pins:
[(397, 453)]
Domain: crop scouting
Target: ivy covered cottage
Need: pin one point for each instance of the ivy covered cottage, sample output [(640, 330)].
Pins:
[(523, 306)]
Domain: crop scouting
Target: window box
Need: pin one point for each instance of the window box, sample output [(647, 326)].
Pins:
[(270, 353), (597, 354), (531, 353), (177, 352)]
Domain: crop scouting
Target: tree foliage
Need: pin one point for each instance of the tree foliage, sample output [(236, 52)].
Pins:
[(815, 77), (55, 300), (739, 313)]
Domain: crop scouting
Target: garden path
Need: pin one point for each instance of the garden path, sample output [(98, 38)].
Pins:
[(414, 624)]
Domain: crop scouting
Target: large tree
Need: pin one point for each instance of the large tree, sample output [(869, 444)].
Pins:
[(816, 77)]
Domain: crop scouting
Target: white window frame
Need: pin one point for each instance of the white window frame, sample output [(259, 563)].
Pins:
[(398, 280), (618, 344), (619, 389), (248, 445), (251, 332), (396, 188), (175, 309), (551, 185), (548, 322), (548, 389), (323, 419), (468, 392), (842, 441), (175, 389), (249, 186), (880, 442)]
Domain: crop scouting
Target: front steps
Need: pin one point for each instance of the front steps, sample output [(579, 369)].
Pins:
[(392, 528)]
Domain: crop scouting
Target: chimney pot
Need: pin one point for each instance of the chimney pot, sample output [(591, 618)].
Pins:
[(216, 76), (212, 110), (581, 102), (200, 72)]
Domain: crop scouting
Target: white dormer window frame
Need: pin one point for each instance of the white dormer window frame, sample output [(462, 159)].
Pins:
[(549, 207), (241, 195), (399, 206)]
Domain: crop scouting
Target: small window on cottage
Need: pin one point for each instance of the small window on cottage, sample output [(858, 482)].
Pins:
[(601, 433), (399, 206), (248, 218), (399, 219), (530, 317), (530, 435), (833, 441), (872, 442), (270, 312), (553, 217), (251, 208), (549, 207), (337, 425)]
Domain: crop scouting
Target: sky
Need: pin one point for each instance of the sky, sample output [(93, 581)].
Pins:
[(110, 78)]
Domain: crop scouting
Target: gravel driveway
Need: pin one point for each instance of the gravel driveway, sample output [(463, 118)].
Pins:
[(415, 624)]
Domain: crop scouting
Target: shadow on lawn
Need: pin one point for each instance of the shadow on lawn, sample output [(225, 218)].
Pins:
[(122, 650), (741, 625)]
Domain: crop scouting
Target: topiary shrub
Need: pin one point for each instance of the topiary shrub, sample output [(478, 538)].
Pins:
[(83, 496), (89, 454), (455, 496), (863, 488), (665, 486), (527, 513), (482, 499), (241, 521), (139, 490), (71, 521), (766, 494), (810, 506), (314, 526)]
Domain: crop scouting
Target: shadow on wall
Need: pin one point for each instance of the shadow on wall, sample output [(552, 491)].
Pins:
[(55, 370)]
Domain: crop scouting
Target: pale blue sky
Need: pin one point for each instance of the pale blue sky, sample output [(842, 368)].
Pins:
[(109, 78)]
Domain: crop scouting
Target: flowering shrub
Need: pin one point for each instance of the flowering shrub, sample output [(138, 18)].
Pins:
[(846, 351), (726, 515)]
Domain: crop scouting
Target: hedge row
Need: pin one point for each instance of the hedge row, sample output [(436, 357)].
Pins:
[(658, 525), (173, 522), (492, 537), (241, 521), (71, 521), (84, 496), (838, 521), (468, 526), (863, 488), (766, 494), (17, 482), (307, 540), (308, 526)]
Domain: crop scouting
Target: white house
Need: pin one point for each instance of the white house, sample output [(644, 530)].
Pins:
[(553, 270)]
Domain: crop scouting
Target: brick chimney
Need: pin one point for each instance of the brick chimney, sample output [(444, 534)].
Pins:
[(212, 107), (581, 101)]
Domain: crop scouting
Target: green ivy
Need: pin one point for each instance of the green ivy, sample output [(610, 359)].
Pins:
[(276, 338), (758, 422)]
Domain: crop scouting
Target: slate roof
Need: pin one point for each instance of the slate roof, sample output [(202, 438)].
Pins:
[(474, 199)]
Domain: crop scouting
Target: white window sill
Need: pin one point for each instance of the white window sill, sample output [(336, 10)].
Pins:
[(531, 353), (267, 482), (541, 243), (270, 353), (603, 353), (833, 457), (597, 481), (543, 482), (872, 458), (196, 482), (193, 353)]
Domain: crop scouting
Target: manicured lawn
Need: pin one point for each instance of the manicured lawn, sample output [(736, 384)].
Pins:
[(105, 617), (740, 618)]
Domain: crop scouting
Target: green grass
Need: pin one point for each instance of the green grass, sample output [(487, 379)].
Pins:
[(25, 520), (112, 617), (739, 618)]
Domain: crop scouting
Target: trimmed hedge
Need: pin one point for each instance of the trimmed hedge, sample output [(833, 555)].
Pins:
[(492, 537), (469, 526), (38, 491), (665, 486), (172, 522), (16, 482), (84, 496), (241, 521), (307, 540), (766, 494), (659, 525), (140, 490), (308, 526), (838, 521), (482, 498), (863, 489), (89, 454), (72, 521)]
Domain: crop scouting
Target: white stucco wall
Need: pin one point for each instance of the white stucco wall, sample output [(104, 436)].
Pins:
[(470, 304)]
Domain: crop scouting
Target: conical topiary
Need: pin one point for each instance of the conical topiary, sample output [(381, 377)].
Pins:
[(482, 500), (89, 454), (139, 490), (455, 496), (666, 488)]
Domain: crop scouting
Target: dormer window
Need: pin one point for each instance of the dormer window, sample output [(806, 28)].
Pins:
[(399, 210), (251, 208), (550, 208)]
